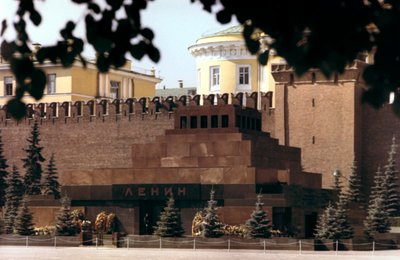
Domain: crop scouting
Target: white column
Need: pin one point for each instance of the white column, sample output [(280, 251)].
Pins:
[(123, 91), (130, 88), (106, 86)]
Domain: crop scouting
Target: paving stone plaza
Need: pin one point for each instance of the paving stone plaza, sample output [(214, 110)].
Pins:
[(27, 253)]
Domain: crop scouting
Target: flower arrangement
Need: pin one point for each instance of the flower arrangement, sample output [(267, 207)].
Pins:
[(44, 231)]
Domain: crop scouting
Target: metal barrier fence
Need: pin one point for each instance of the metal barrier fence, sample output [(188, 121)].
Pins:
[(193, 243)]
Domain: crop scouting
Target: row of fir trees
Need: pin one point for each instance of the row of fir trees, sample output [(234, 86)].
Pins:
[(170, 225), (14, 189), (383, 203)]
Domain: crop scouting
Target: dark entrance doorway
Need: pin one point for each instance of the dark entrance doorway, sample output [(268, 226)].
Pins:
[(282, 221), (149, 213), (310, 221)]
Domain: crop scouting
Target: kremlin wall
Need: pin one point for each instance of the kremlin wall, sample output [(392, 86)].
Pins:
[(127, 156)]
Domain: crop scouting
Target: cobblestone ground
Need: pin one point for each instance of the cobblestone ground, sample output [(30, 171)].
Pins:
[(73, 253)]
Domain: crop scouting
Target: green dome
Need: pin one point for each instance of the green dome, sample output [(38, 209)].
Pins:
[(237, 29)]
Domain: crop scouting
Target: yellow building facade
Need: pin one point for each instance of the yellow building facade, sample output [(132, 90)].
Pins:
[(224, 65), (78, 83)]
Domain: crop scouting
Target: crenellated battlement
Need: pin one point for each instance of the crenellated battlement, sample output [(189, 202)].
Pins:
[(285, 74), (132, 108)]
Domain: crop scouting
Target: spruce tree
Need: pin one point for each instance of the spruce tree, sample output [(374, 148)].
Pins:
[(23, 222), (51, 186), (354, 192), (377, 220), (326, 227), (32, 163), (258, 225), (3, 173), (211, 226), (344, 230), (65, 225), (170, 224), (392, 197), (378, 190), (13, 196)]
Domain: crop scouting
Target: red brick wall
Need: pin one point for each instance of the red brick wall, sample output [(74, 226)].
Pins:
[(320, 119), (379, 126), (85, 144)]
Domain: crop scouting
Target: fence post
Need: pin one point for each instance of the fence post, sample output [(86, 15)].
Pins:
[(97, 242), (55, 241), (194, 243), (160, 243), (127, 244), (26, 241), (264, 246), (373, 247), (337, 246), (229, 245), (300, 247)]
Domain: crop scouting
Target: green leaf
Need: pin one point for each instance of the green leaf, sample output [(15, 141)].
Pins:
[(7, 50), (153, 53), (103, 63), (396, 105), (94, 7), (35, 17), (147, 33), (138, 50), (38, 84), (16, 108), (263, 57), (224, 16), (115, 4), (3, 27), (81, 1), (252, 45), (22, 68)]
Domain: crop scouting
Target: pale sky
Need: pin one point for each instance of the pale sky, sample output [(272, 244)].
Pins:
[(177, 25)]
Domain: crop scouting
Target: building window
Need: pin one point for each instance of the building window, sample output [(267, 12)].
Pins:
[(8, 86), (183, 123), (51, 84), (115, 89), (224, 121), (203, 121), (193, 122), (214, 78), (238, 121), (243, 77), (214, 121)]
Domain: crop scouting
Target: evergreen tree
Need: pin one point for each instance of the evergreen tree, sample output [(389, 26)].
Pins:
[(378, 190), (13, 196), (170, 224), (32, 163), (326, 227), (51, 184), (344, 230), (3, 173), (392, 197), (65, 225), (211, 226), (354, 192), (258, 224), (23, 222), (377, 220)]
